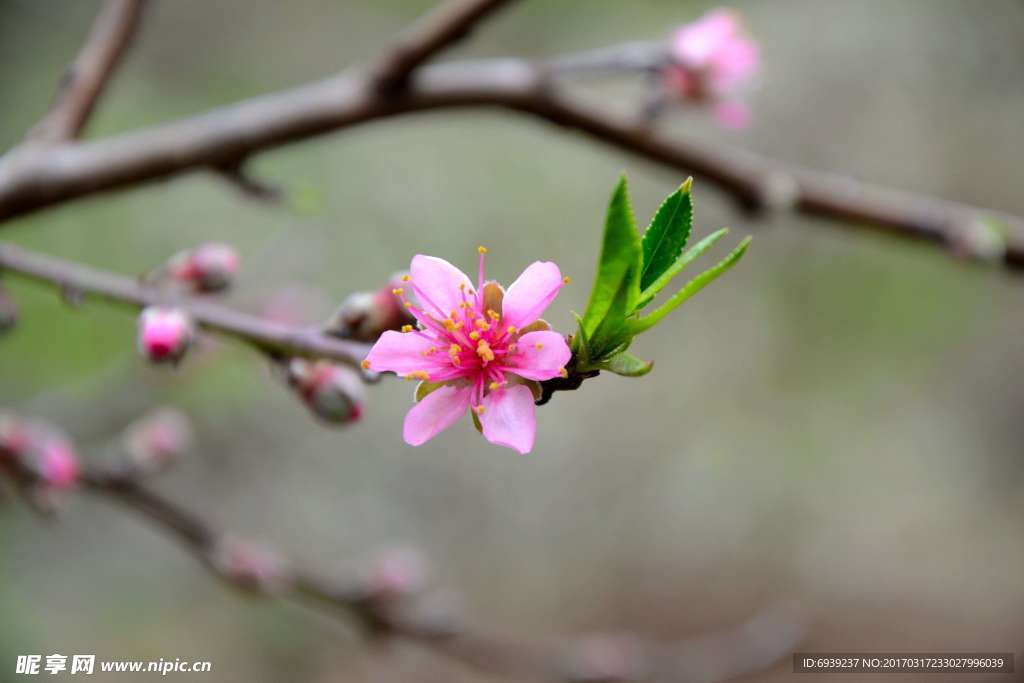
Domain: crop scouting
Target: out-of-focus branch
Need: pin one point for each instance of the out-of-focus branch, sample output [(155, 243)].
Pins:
[(270, 337), (447, 24), (84, 80), (752, 646), (31, 179)]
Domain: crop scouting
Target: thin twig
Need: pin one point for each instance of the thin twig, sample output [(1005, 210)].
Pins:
[(85, 79), (449, 23), (270, 337), (752, 646), (31, 179)]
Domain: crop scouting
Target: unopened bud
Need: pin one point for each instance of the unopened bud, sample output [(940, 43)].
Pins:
[(156, 440), (165, 334), (978, 239), (397, 573), (251, 565), (210, 267), (334, 393), (57, 463), (14, 435), (364, 316)]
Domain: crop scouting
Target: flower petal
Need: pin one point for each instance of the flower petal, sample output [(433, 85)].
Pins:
[(531, 293), (404, 352), (435, 413), (510, 419), (540, 356), (436, 284)]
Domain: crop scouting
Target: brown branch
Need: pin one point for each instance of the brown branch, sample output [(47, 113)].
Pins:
[(270, 337), (31, 179), (85, 79), (449, 23), (754, 645)]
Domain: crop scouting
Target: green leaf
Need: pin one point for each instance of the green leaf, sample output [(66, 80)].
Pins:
[(618, 271), (667, 234), (692, 287), (685, 259), (612, 332), (627, 365)]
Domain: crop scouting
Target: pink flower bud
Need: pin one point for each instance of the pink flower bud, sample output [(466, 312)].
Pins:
[(711, 59), (58, 464), (210, 267), (364, 316), (158, 439), (334, 393), (165, 334), (251, 565), (397, 573), (14, 435)]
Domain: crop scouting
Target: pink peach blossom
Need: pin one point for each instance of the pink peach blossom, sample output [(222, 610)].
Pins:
[(165, 333), (712, 58), (479, 349)]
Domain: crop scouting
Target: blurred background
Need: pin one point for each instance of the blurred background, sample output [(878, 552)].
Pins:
[(836, 422)]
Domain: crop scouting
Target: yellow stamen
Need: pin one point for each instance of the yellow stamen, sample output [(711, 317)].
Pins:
[(512, 329), (418, 374), (479, 410), (482, 250), (406, 328), (398, 291), (538, 346), (567, 280), (408, 304), (493, 315), (481, 324), (457, 361), (564, 373), (494, 386), (483, 349), (474, 335), (454, 349), (365, 364), (406, 278)]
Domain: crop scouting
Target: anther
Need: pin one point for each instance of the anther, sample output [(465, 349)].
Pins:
[(398, 291), (406, 328), (365, 364), (479, 409), (512, 329), (493, 315), (481, 325), (474, 335), (564, 373), (567, 280), (482, 250)]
